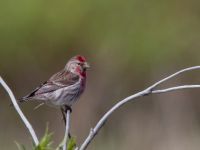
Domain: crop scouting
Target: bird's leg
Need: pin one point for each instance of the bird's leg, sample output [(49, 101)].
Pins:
[(66, 108), (63, 115)]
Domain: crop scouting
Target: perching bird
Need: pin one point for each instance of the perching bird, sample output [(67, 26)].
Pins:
[(63, 88)]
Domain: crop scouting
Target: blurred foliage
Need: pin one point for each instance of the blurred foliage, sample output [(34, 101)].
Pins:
[(20, 146), (46, 142), (71, 144), (144, 29)]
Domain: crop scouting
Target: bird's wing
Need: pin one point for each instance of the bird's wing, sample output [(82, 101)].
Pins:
[(57, 81), (64, 78), (32, 93)]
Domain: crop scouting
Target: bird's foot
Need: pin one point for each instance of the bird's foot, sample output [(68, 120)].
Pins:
[(66, 108)]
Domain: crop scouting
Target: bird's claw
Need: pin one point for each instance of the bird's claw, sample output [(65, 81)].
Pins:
[(66, 108)]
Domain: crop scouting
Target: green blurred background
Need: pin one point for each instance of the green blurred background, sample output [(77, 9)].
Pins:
[(129, 44)]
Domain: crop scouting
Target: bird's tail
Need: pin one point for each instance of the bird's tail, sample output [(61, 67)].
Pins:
[(23, 99), (20, 100)]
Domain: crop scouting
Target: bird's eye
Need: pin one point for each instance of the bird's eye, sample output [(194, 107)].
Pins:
[(79, 64)]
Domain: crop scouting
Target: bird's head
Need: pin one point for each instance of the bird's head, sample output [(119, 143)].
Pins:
[(77, 65)]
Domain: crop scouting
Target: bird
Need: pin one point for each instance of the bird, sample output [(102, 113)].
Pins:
[(63, 88)]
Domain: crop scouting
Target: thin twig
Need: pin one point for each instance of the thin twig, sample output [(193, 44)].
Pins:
[(63, 144), (16, 106), (175, 88), (173, 75), (147, 91)]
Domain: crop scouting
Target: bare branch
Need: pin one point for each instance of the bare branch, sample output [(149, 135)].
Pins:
[(101, 122), (63, 144), (173, 75), (175, 88), (66, 130), (17, 108), (147, 91)]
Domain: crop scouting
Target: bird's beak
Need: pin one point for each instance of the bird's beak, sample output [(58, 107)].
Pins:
[(86, 65)]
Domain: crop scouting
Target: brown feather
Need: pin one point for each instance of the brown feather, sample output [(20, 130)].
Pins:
[(57, 81)]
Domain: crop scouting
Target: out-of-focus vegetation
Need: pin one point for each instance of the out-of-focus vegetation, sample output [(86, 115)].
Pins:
[(46, 143), (129, 44)]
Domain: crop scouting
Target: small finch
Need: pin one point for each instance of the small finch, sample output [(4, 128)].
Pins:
[(63, 88)]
